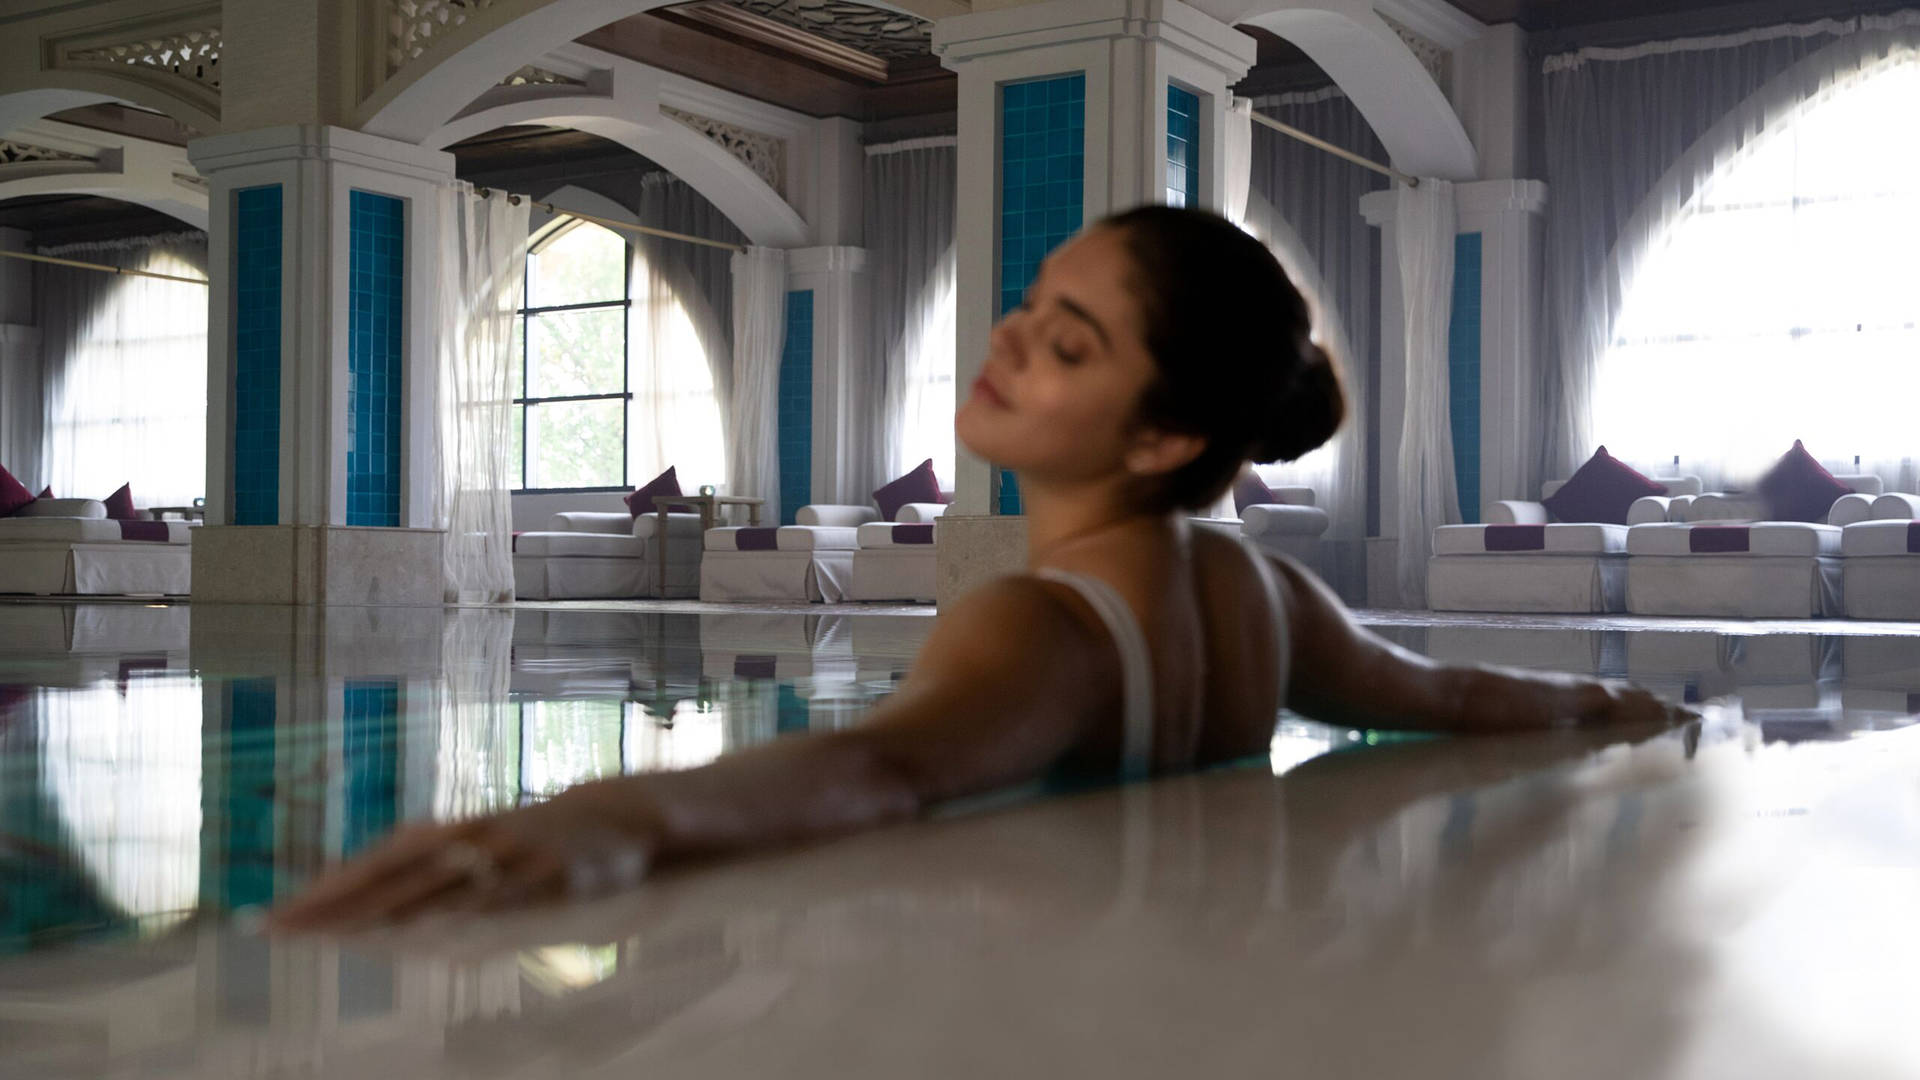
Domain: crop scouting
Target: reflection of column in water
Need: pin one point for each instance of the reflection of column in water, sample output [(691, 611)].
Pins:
[(477, 767)]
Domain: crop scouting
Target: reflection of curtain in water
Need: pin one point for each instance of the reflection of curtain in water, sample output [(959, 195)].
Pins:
[(123, 767), (478, 767)]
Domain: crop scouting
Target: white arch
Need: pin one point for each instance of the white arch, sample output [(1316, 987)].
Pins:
[(722, 179), (176, 200), (1382, 77), (55, 91), (498, 40)]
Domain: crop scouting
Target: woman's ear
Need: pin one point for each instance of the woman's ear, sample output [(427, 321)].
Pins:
[(1157, 453)]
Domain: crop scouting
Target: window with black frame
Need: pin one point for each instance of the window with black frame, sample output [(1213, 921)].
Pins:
[(570, 375)]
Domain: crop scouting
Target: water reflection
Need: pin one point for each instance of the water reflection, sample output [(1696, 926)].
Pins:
[(156, 762)]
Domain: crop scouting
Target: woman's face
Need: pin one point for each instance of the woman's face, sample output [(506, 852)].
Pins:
[(1064, 370)]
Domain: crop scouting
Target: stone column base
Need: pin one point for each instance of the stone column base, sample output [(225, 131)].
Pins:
[(972, 550), (317, 564)]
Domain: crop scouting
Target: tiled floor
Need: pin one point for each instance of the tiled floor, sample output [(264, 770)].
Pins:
[(1738, 905)]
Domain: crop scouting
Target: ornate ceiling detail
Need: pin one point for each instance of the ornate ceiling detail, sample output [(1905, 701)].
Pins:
[(413, 26), (19, 153), (889, 35), (539, 76), (1436, 58), (178, 54), (766, 155)]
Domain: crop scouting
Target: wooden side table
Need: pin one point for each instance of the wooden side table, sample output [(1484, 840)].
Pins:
[(709, 508)]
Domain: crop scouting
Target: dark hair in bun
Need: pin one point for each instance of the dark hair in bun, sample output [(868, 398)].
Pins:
[(1231, 338)]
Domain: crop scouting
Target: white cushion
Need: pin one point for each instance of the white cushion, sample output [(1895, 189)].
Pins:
[(1896, 506), (1874, 538), (1767, 538), (920, 513), (61, 530), (1719, 506), (790, 538), (67, 508), (593, 521), (588, 544), (879, 534), (1560, 540), (1283, 520), (835, 516)]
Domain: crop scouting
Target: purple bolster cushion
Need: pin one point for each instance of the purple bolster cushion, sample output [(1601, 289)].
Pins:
[(1516, 537), (1913, 538), (144, 530), (1718, 539), (757, 539), (753, 667), (913, 534)]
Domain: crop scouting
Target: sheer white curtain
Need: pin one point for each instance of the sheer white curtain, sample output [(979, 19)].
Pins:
[(674, 418), (910, 208), (125, 372), (1304, 204), (759, 331), (1715, 315), (1424, 227), (1633, 137), (483, 247), (700, 277)]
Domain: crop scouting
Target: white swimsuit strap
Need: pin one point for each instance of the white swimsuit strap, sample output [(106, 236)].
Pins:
[(1136, 666)]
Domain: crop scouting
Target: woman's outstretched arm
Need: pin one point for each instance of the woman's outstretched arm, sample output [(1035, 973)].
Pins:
[(1344, 675), (1005, 685)]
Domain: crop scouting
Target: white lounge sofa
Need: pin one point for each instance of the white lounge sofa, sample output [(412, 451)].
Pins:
[(1880, 560), (894, 560), (1721, 558), (592, 555), (69, 547), (808, 562), (1521, 560)]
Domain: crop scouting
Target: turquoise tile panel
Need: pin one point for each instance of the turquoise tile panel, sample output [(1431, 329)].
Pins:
[(1183, 147), (256, 355), (1042, 190), (370, 755), (376, 291), (1463, 372), (796, 406)]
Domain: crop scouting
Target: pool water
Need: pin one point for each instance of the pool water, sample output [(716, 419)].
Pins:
[(162, 766)]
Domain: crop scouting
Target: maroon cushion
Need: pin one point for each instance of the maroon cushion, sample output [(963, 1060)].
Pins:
[(757, 539), (1602, 491), (1797, 488), (135, 529), (13, 493), (1515, 537), (641, 501), (918, 486), (45, 492), (1719, 539), (1250, 490), (120, 505)]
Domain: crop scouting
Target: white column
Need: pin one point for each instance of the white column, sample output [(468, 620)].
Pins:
[(1129, 52), (842, 293), (309, 554), (1509, 215)]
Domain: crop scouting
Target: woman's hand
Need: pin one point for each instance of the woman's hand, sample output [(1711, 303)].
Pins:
[(585, 842)]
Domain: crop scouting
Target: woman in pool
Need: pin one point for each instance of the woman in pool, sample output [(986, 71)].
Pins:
[(1155, 355)]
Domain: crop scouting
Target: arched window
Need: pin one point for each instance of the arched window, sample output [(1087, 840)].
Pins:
[(610, 377), (1783, 302)]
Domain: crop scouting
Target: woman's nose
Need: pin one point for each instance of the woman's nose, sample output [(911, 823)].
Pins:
[(1009, 342)]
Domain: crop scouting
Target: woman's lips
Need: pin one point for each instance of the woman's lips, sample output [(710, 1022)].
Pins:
[(983, 388)]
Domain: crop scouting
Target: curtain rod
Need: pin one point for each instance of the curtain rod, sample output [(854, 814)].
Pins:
[(78, 265), (487, 193), (1337, 151)]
